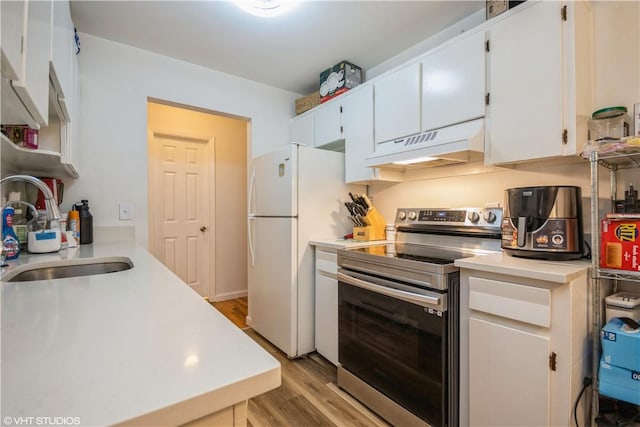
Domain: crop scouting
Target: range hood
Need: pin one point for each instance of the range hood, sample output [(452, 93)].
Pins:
[(463, 142)]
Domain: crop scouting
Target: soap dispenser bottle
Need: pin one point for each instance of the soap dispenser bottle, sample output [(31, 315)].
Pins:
[(86, 221)]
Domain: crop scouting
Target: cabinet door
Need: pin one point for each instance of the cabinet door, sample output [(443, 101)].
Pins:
[(397, 104), (327, 123), (526, 85), (12, 17), (453, 83), (69, 140), (509, 376), (32, 86), (62, 55), (358, 134), (302, 129), (326, 328)]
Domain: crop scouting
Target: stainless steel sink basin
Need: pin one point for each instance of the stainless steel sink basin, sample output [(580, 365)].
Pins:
[(68, 268)]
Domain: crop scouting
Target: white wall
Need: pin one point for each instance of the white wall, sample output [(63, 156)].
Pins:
[(115, 82), (485, 188), (616, 53)]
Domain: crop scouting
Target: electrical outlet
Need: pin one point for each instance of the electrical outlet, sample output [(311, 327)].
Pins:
[(126, 210)]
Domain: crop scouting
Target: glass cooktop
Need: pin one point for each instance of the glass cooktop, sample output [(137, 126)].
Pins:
[(420, 253)]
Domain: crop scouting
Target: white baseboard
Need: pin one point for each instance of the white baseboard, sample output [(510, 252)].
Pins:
[(228, 296)]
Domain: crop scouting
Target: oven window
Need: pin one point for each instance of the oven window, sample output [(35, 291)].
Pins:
[(397, 347)]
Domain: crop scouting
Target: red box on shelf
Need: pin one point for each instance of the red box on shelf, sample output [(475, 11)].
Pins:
[(620, 244), (22, 135)]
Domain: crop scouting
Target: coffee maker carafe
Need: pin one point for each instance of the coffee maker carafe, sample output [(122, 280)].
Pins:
[(543, 222)]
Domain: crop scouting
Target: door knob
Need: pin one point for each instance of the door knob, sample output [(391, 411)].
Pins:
[(203, 228)]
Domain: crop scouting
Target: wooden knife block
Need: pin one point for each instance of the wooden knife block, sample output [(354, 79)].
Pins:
[(374, 230)]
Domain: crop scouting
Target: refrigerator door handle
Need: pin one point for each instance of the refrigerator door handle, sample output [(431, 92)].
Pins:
[(251, 187), (249, 219)]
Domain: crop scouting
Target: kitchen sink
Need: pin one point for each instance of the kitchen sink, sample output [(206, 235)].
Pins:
[(68, 268)]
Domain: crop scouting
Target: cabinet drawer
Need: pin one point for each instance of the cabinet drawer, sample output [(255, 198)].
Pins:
[(327, 262), (523, 303)]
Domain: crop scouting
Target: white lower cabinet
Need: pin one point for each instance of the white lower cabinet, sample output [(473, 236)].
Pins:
[(326, 329), (505, 362), (522, 350)]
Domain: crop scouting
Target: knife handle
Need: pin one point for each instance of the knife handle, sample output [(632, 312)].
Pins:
[(368, 203)]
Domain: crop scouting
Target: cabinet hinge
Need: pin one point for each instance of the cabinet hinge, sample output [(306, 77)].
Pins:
[(565, 136), (21, 45), (341, 109), (564, 12), (341, 129), (486, 46), (487, 98), (553, 362)]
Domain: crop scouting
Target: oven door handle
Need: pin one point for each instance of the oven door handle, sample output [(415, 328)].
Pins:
[(435, 301)]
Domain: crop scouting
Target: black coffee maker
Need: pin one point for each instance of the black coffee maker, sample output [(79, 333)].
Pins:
[(543, 222)]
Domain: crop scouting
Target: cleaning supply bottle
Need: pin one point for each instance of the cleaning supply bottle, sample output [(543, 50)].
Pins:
[(73, 223), (86, 221), (10, 243)]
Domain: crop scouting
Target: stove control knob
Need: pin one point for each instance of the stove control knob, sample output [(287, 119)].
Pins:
[(413, 216), (473, 216), (489, 217), (402, 215)]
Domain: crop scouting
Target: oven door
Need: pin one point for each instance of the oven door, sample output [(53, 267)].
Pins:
[(395, 339)]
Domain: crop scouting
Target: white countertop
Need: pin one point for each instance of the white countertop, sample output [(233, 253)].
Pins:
[(552, 271), (137, 345), (347, 243)]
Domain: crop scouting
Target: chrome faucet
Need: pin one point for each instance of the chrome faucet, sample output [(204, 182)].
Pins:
[(50, 203)]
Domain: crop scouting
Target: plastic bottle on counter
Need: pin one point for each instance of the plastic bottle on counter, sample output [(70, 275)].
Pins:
[(20, 224), (86, 222), (10, 243), (73, 224)]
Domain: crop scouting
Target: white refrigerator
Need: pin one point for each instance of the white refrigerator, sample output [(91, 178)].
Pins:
[(296, 194)]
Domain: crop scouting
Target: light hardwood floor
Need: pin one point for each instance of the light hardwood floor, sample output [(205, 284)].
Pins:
[(308, 395)]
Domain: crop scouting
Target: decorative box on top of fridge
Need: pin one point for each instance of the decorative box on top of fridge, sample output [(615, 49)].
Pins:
[(338, 79)]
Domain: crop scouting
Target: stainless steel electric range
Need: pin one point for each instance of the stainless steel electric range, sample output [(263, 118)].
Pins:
[(398, 313)]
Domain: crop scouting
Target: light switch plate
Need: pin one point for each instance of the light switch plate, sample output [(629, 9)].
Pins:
[(126, 210)]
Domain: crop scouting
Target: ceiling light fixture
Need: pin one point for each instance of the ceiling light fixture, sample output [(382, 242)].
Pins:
[(266, 8)]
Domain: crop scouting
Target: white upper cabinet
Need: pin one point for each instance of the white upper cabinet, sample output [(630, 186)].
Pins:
[(12, 15), (32, 85), (321, 127), (327, 123), (539, 82), (397, 103), (39, 86), (63, 55), (302, 129), (453, 82), (357, 117)]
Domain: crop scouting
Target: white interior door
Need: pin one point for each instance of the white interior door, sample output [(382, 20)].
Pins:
[(180, 204)]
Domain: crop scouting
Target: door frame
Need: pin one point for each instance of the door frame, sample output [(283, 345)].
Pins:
[(153, 169)]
